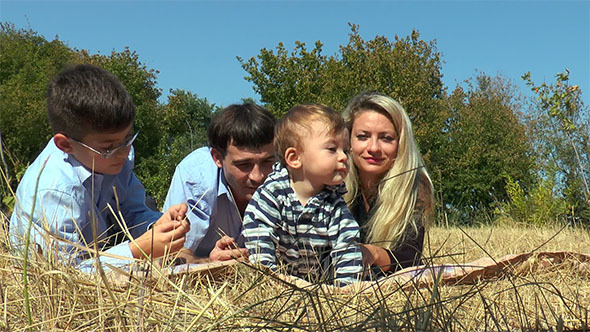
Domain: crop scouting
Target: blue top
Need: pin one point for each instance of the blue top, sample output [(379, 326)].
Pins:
[(212, 211), (318, 241), (66, 203)]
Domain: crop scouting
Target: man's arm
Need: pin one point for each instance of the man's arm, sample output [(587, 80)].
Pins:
[(184, 190)]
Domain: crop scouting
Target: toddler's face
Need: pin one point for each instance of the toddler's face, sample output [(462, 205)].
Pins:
[(325, 155)]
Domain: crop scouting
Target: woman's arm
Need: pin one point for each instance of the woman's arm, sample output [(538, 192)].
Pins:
[(406, 255)]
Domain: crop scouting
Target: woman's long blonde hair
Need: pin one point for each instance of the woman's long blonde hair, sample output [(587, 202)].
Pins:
[(404, 194)]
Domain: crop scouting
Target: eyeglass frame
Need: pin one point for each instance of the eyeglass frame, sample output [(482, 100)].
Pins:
[(109, 153)]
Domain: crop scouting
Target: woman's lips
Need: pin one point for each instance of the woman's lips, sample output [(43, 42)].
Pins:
[(372, 160)]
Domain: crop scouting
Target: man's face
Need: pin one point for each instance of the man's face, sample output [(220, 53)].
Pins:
[(245, 169)]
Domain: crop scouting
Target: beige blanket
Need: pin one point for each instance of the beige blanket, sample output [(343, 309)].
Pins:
[(420, 276)]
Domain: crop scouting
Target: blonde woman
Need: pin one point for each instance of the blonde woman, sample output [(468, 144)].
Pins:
[(389, 190)]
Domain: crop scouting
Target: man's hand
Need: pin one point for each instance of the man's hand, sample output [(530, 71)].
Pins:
[(166, 236), (226, 249), (186, 256)]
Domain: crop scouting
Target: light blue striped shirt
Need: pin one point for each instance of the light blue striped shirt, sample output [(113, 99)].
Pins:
[(66, 201), (317, 242)]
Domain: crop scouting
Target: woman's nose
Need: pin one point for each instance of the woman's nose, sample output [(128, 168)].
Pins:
[(373, 145)]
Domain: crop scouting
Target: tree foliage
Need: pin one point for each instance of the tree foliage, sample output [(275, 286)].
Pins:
[(486, 142), (27, 61), (181, 129), (470, 140), (560, 124), (408, 69), (474, 141)]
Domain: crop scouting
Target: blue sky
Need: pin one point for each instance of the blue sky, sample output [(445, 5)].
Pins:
[(194, 44)]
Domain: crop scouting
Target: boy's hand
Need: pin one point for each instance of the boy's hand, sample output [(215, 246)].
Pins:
[(175, 212), (226, 249), (166, 236)]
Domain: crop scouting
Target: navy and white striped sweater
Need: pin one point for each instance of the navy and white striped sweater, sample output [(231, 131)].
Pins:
[(317, 242)]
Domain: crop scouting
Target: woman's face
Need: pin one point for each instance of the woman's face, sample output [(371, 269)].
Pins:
[(373, 143)]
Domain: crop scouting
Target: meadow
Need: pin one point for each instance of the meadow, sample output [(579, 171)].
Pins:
[(536, 295)]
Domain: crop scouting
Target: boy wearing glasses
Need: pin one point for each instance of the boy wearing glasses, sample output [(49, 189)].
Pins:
[(82, 188)]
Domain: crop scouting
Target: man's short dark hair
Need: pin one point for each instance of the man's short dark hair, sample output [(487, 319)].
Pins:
[(247, 126), (85, 98)]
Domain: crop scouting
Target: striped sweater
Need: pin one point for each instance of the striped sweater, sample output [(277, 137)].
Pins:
[(317, 242)]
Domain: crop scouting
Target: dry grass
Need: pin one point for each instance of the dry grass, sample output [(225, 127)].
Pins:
[(533, 297)]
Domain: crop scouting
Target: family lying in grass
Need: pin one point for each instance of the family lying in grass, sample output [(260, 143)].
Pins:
[(316, 195)]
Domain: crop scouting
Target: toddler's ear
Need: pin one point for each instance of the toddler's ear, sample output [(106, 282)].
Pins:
[(63, 143), (292, 158)]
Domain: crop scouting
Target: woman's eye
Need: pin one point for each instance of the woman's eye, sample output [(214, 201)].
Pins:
[(361, 137)]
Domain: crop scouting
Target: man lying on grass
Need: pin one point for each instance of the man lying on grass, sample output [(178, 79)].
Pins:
[(81, 191), (217, 181)]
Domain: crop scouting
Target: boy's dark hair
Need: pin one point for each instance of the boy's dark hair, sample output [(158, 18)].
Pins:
[(247, 125), (85, 98)]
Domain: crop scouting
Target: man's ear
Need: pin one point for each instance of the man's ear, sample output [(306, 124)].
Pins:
[(292, 157), (217, 157), (63, 143)]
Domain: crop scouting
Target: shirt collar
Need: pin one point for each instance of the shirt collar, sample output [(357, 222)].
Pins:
[(85, 175), (223, 188)]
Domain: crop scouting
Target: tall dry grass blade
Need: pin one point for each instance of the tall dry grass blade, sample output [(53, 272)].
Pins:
[(27, 243), (98, 264), (213, 298)]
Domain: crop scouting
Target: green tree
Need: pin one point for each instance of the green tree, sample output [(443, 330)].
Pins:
[(408, 69), (27, 61), (486, 143), (470, 140), (181, 129), (559, 121)]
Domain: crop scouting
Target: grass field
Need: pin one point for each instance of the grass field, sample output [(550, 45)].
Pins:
[(532, 296)]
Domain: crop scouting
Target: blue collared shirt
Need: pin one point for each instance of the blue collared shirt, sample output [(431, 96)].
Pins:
[(212, 210), (68, 198)]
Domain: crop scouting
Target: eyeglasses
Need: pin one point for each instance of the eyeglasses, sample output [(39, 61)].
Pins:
[(125, 147)]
